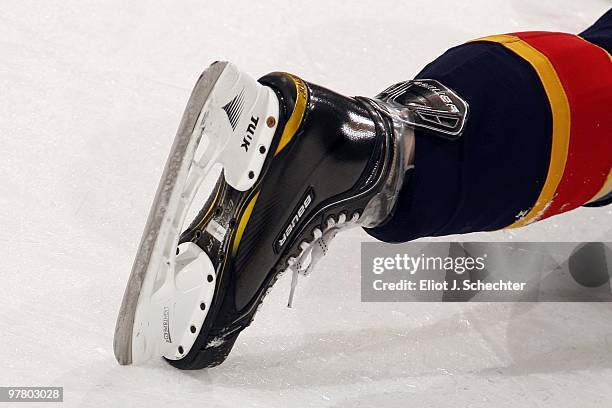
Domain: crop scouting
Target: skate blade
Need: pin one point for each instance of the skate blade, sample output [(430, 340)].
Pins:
[(164, 304)]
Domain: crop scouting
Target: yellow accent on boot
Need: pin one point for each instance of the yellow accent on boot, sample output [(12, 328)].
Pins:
[(243, 222), (295, 120)]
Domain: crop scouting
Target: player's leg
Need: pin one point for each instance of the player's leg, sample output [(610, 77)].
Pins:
[(538, 141)]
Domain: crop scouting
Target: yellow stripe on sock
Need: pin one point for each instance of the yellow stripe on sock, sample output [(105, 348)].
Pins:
[(560, 109)]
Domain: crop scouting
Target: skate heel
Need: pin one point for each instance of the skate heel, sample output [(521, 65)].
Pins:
[(230, 120)]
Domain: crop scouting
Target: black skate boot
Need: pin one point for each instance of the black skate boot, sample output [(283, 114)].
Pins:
[(300, 163)]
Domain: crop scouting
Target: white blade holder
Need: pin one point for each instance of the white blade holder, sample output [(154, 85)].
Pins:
[(231, 119)]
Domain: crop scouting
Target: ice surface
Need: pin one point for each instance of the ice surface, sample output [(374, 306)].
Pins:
[(91, 95)]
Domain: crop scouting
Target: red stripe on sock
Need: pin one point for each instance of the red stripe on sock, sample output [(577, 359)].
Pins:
[(585, 71)]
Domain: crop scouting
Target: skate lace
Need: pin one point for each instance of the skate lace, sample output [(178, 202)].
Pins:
[(312, 251)]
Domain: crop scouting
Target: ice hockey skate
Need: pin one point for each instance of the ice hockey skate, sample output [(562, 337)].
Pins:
[(300, 163)]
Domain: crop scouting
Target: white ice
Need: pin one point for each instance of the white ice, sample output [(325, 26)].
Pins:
[(91, 94)]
